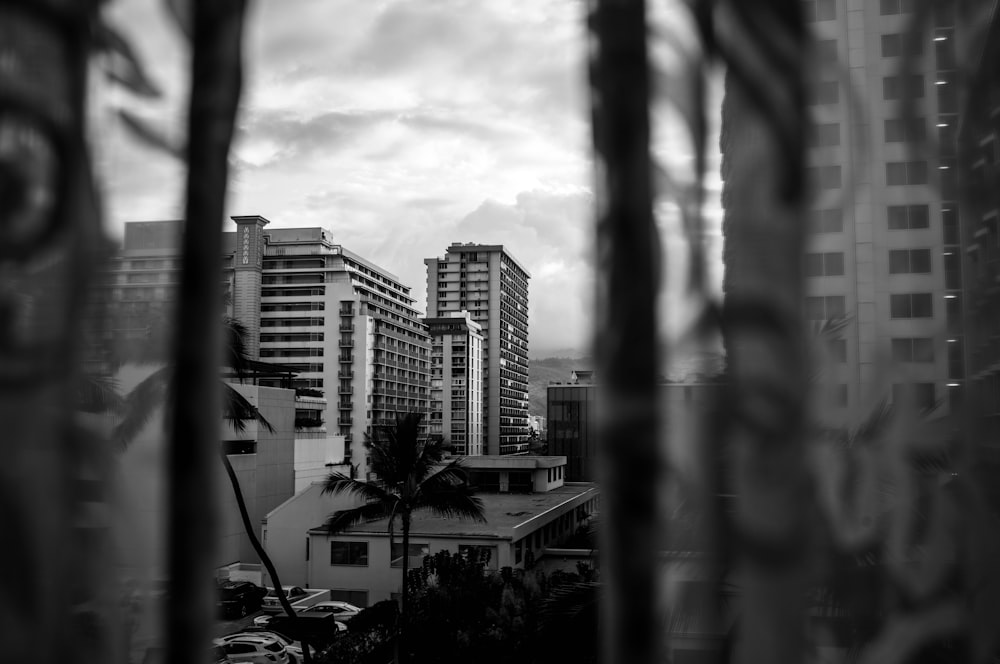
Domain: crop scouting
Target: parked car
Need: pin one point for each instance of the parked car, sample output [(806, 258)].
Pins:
[(271, 602), (158, 655), (293, 648), (341, 610), (238, 598), (254, 649), (318, 629)]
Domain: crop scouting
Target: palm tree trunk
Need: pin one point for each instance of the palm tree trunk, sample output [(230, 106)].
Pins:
[(216, 73), (401, 655), (255, 543)]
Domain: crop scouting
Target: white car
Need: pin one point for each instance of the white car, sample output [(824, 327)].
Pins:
[(262, 620), (342, 610), (253, 649), (293, 648)]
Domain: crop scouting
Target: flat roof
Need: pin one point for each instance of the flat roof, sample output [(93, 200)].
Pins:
[(503, 511), (508, 462)]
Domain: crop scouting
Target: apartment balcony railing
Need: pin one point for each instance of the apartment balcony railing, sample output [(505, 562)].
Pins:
[(346, 343)]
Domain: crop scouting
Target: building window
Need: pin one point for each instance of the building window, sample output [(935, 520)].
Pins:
[(825, 177), (909, 261), (901, 87), (917, 349), (905, 172), (825, 135), (349, 553), (819, 10), (895, 45), (825, 265), (923, 395), (907, 217), (518, 551), (826, 51), (825, 307), (911, 305), (899, 130), (891, 7), (416, 557), (824, 93), (826, 221)]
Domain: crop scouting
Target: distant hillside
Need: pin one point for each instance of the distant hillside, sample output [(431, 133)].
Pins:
[(558, 369), (550, 370)]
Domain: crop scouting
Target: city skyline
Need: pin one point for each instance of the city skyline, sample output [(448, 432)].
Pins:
[(472, 127)]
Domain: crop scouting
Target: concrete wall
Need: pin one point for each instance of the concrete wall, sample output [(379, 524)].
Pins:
[(285, 531), (378, 577), (315, 458)]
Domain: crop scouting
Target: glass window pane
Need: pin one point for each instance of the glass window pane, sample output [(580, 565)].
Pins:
[(834, 264), (897, 217), (920, 261), (899, 261)]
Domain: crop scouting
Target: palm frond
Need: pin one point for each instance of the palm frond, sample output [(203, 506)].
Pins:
[(831, 329), (342, 520), (99, 394), (235, 354), (141, 403), (572, 604), (454, 474), (338, 483), (238, 410), (874, 425), (451, 502)]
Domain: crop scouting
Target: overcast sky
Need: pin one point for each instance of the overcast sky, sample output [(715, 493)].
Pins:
[(401, 126)]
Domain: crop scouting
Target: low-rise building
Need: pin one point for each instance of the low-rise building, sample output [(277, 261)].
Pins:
[(571, 409), (528, 506)]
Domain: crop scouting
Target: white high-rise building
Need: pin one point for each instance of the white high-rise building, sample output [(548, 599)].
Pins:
[(489, 283)]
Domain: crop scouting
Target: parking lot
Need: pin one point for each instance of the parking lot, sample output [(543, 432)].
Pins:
[(224, 627)]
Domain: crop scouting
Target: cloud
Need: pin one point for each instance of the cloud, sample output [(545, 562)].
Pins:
[(401, 127)]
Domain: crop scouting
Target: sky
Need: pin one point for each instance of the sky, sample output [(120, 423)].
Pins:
[(403, 126)]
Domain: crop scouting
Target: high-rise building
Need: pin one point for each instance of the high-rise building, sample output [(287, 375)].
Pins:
[(456, 398), (346, 326), (979, 156), (492, 285), (883, 246)]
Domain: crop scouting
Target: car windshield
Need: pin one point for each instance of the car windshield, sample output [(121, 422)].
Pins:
[(274, 647)]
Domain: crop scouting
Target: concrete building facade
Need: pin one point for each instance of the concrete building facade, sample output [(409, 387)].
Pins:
[(456, 397), (883, 245), (571, 409), (492, 285), (530, 509), (345, 326)]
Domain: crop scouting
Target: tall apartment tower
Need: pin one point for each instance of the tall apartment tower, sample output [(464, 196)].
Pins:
[(979, 158), (456, 406), (883, 245), (488, 282), (346, 326)]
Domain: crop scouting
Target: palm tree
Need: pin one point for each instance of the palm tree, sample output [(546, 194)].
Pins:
[(141, 403), (410, 478)]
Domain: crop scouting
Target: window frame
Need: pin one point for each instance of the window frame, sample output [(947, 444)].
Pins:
[(349, 544)]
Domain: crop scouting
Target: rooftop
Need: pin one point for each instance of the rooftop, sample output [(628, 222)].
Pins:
[(508, 462), (504, 512)]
